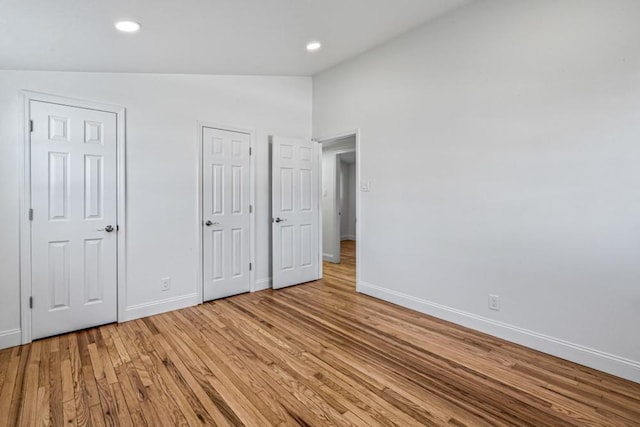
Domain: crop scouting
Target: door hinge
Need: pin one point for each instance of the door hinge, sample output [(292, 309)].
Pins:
[(31, 214), (250, 266), (30, 125), (30, 302), (250, 151), (250, 208)]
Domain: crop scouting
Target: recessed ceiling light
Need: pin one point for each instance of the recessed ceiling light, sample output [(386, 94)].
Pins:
[(127, 26), (313, 46)]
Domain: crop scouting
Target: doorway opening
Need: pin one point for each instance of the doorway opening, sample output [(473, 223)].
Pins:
[(340, 202)]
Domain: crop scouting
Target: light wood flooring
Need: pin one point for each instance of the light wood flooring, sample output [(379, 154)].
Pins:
[(310, 355)]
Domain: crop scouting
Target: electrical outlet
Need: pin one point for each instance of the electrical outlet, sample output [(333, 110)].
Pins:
[(494, 302), (165, 283)]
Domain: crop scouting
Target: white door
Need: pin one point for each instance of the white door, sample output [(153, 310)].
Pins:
[(74, 229), (295, 211), (226, 213)]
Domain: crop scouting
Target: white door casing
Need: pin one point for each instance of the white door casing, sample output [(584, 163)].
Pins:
[(226, 216), (295, 211), (73, 168)]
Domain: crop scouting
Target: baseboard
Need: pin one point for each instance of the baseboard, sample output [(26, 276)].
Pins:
[(162, 306), (10, 338), (612, 364), (328, 257), (348, 237), (262, 284)]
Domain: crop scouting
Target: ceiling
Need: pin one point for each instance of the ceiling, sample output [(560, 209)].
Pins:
[(253, 37)]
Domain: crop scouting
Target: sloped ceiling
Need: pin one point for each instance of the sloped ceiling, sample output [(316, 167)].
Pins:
[(255, 37)]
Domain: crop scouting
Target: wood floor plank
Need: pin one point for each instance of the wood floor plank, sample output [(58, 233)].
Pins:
[(337, 369), (120, 406), (5, 356), (42, 406), (249, 409), (28, 417), (309, 355), (208, 399), (6, 394), (79, 390), (19, 393), (175, 385), (55, 385), (428, 373), (127, 384), (158, 391)]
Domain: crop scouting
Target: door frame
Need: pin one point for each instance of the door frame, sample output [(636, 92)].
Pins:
[(200, 125), (25, 201), (338, 135), (337, 220)]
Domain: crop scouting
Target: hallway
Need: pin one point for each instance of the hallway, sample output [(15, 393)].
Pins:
[(346, 270)]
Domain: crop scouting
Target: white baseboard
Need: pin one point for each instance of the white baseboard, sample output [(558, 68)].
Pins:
[(162, 306), (10, 338), (328, 257), (610, 363), (262, 284), (348, 237)]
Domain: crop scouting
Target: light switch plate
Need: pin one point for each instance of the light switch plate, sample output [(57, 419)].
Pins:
[(365, 186)]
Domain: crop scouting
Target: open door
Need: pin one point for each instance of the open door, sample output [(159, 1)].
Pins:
[(295, 211)]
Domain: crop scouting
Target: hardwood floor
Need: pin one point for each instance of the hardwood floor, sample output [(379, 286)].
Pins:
[(314, 354)]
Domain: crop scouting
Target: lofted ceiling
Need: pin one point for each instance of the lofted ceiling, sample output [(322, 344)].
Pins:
[(255, 37)]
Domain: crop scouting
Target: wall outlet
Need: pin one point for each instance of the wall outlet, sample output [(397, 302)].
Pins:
[(165, 283), (494, 302)]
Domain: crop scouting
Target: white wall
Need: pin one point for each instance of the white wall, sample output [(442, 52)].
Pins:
[(330, 225), (502, 142), (162, 111), (348, 202)]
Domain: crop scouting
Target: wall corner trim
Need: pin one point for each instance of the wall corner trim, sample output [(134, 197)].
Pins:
[(602, 361)]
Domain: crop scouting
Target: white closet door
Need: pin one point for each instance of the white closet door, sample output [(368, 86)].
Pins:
[(226, 216), (295, 211), (74, 230)]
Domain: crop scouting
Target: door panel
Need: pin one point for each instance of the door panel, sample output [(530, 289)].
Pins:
[(295, 204), (226, 216), (73, 196)]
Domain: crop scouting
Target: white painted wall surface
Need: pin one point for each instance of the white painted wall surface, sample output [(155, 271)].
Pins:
[(502, 142), (162, 111), (348, 208), (330, 235)]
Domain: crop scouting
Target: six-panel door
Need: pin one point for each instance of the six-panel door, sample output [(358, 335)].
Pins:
[(295, 211), (226, 215), (73, 196)]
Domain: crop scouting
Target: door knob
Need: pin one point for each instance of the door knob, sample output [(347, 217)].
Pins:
[(108, 229), (279, 220), (209, 223)]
